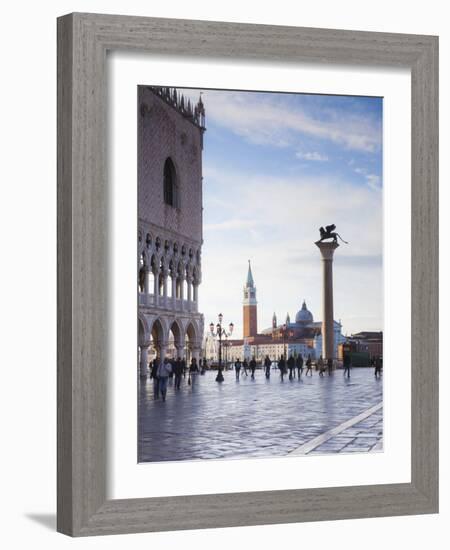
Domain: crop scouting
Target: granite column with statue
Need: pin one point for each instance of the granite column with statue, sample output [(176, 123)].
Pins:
[(327, 250)]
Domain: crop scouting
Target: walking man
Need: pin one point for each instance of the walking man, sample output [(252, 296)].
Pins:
[(178, 372), (154, 376), (308, 365), (299, 365), (282, 367), (253, 367), (291, 366), (164, 370), (237, 368), (320, 366), (330, 366), (347, 364), (193, 370), (245, 367), (267, 365), (204, 366), (377, 364)]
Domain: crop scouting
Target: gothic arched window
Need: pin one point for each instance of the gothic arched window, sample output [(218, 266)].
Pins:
[(170, 183)]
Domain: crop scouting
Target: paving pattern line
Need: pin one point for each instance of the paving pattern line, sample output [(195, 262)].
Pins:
[(322, 438)]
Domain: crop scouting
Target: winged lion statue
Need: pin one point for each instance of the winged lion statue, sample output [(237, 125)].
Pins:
[(330, 233)]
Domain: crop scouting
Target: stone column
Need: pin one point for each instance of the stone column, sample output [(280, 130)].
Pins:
[(156, 287), (182, 293), (180, 350), (195, 304), (174, 291), (327, 251), (189, 289), (189, 293), (165, 275), (146, 281), (143, 363)]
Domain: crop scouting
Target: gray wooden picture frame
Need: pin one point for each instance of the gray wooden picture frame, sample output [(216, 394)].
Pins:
[(83, 41)]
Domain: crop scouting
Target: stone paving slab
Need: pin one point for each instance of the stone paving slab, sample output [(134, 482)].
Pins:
[(361, 437), (257, 418)]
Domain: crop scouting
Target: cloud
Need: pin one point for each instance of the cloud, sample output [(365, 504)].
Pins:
[(314, 156), (230, 224), (263, 120), (373, 180), (276, 227), (344, 260)]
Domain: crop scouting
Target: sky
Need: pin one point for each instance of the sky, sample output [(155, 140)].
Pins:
[(276, 167)]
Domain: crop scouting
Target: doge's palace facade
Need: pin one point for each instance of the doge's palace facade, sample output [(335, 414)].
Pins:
[(170, 144)]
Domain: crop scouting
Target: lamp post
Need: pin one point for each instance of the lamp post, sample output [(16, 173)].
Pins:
[(226, 351), (284, 340), (220, 333)]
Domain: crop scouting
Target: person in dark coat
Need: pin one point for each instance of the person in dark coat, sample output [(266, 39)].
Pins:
[(291, 366), (299, 365), (347, 364), (253, 367), (154, 377), (245, 367), (178, 372), (320, 366), (193, 370), (204, 365), (377, 365), (237, 368), (308, 365), (282, 367), (267, 365), (330, 366)]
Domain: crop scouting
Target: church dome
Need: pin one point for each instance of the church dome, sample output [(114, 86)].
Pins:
[(304, 315)]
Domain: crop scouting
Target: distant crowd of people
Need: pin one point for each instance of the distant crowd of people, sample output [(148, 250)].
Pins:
[(162, 371)]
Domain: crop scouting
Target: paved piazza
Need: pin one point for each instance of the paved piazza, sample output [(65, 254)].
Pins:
[(261, 418)]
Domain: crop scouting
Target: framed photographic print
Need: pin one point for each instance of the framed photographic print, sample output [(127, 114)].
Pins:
[(247, 274)]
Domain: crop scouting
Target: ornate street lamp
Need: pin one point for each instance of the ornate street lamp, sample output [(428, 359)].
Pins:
[(220, 333)]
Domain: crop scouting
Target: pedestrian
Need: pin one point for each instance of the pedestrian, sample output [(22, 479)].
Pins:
[(164, 370), (291, 366), (282, 367), (204, 366), (237, 368), (253, 367), (308, 365), (267, 365), (320, 366), (330, 366), (154, 377), (347, 364), (299, 365), (184, 367), (178, 372), (245, 367), (193, 370), (377, 365)]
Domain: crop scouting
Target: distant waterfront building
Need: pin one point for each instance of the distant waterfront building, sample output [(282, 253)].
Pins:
[(303, 336), (369, 342)]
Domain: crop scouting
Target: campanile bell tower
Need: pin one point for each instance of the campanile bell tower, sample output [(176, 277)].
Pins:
[(249, 306)]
